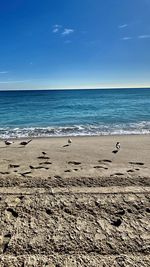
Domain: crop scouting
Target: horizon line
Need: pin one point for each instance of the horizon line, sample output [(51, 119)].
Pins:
[(77, 88)]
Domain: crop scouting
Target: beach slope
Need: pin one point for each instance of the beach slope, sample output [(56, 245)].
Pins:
[(79, 204)]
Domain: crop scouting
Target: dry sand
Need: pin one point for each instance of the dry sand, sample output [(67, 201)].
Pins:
[(76, 205)]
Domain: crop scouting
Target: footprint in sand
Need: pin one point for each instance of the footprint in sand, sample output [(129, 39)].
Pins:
[(105, 161), (147, 210), (49, 211), (136, 163), (43, 157), (6, 240), (46, 162), (25, 173), (57, 176), (4, 173), (120, 212), (100, 167), (117, 174), (67, 171), (136, 169), (74, 162), (21, 197), (116, 222), (130, 171), (13, 212), (38, 167), (13, 166), (71, 170)]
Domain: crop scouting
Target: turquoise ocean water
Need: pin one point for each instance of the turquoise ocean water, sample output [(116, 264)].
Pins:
[(74, 112)]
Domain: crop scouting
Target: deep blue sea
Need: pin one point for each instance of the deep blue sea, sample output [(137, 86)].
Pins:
[(74, 112)]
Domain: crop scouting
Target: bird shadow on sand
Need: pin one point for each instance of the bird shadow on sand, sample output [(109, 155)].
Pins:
[(65, 145), (115, 151)]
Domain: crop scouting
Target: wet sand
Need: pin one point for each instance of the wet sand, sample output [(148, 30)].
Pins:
[(83, 204)]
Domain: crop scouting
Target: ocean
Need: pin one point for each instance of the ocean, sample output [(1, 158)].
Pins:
[(44, 113)]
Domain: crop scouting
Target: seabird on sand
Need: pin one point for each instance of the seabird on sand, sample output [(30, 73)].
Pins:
[(24, 143), (69, 141), (118, 145), (7, 142)]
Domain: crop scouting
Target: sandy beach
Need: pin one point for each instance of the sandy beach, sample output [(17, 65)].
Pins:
[(82, 204)]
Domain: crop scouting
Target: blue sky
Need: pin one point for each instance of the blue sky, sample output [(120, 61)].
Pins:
[(74, 43)]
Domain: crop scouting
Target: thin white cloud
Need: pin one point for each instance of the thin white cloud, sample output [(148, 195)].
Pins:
[(67, 31), (57, 26), (55, 30), (122, 26), (126, 38), (3, 72), (61, 30), (3, 82), (145, 36)]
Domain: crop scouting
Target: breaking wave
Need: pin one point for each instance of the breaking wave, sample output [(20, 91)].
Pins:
[(77, 130)]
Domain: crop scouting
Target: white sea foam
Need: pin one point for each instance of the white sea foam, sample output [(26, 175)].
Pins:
[(142, 127)]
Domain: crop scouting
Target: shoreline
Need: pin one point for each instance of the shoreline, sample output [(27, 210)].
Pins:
[(72, 136)]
